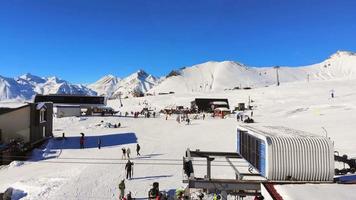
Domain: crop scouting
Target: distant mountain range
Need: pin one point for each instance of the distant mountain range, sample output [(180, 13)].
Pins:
[(205, 77)]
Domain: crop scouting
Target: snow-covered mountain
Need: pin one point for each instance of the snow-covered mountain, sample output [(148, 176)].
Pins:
[(10, 89), (205, 77), (218, 76), (27, 85), (106, 86), (136, 84)]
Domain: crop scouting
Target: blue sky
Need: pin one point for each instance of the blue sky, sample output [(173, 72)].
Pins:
[(82, 40)]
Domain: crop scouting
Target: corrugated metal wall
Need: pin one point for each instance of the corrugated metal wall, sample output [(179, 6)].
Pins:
[(289, 158), (301, 159)]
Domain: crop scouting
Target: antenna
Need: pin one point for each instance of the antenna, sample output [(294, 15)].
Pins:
[(120, 99), (277, 75)]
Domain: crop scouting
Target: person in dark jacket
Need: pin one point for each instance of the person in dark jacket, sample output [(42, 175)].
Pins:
[(82, 141), (129, 169), (123, 153), (129, 196), (122, 189), (138, 148), (99, 143)]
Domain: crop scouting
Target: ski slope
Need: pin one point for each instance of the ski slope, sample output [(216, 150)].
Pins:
[(63, 171)]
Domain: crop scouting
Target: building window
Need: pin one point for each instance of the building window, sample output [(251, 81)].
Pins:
[(44, 132), (42, 115)]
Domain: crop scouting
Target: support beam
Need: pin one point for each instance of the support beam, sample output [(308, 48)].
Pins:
[(238, 174), (214, 154), (225, 185), (208, 165)]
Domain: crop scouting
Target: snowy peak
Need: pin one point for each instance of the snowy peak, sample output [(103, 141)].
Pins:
[(106, 85), (11, 89), (340, 54), (218, 76), (135, 84), (27, 85), (32, 78)]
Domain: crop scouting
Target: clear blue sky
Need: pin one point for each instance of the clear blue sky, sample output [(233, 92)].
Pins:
[(82, 40)]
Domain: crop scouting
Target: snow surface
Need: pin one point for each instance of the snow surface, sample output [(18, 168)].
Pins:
[(63, 171)]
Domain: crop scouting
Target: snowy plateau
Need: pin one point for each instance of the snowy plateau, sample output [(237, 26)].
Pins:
[(302, 102)]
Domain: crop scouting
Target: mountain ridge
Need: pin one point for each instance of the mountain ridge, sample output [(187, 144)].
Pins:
[(204, 77)]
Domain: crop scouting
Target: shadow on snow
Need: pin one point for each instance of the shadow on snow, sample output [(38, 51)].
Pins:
[(92, 141), (150, 177)]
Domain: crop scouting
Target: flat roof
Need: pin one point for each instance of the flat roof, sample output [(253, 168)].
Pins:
[(6, 107), (276, 131), (12, 104)]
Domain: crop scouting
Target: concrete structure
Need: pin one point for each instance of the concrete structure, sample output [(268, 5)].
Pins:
[(30, 122), (283, 154)]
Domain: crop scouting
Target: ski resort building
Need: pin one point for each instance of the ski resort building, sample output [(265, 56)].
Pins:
[(208, 105), (283, 154), (29, 122), (63, 110), (72, 105)]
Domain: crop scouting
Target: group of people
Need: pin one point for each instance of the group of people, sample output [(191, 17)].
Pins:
[(182, 118), (126, 152), (122, 188), (245, 118)]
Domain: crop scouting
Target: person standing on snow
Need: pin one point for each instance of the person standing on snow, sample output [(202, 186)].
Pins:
[(122, 189), (129, 196), (203, 116), (332, 93), (82, 141), (188, 121), (128, 152), (99, 143), (123, 153), (129, 169), (138, 148)]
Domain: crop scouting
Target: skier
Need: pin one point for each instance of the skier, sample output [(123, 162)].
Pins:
[(251, 113), (128, 152), (129, 169), (188, 121), (123, 153), (203, 116), (138, 148), (122, 189), (119, 125), (99, 143)]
